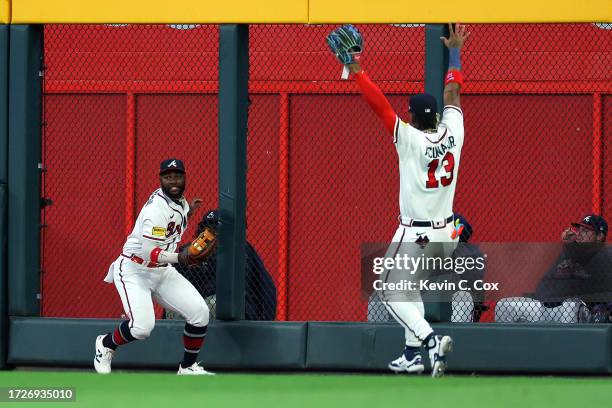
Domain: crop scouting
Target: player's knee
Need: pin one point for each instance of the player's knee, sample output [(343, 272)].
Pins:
[(142, 328), (141, 332), (200, 315)]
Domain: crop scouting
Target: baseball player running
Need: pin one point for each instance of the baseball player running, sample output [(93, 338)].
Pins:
[(144, 272), (429, 154)]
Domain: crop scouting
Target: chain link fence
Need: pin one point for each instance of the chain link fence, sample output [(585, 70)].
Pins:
[(322, 172), (117, 101)]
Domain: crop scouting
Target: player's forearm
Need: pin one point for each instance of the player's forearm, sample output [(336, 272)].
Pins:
[(454, 59), (452, 95), (454, 78), (153, 253), (167, 257), (377, 100)]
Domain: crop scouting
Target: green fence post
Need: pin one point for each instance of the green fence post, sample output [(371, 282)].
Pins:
[(4, 55), (4, 321), (436, 64), (436, 61), (233, 111), (25, 142)]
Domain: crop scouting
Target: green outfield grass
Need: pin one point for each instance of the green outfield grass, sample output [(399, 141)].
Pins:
[(135, 390)]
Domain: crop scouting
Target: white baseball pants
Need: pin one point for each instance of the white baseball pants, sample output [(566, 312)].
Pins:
[(407, 306), (138, 286)]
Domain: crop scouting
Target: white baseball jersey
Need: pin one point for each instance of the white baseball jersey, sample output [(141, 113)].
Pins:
[(428, 165), (161, 222)]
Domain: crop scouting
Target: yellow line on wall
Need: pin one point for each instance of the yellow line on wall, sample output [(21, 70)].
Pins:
[(5, 11), (304, 11), (160, 11), (466, 11)]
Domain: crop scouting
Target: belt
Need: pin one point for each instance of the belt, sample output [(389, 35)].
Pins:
[(435, 224), (141, 261)]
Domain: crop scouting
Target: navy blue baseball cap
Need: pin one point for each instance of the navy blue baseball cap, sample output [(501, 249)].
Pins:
[(423, 105), (211, 218), (171, 165), (594, 222)]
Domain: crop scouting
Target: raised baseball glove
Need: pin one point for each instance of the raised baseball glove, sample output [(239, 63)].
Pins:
[(199, 249), (346, 43)]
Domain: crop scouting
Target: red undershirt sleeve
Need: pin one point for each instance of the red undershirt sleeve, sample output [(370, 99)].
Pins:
[(377, 101)]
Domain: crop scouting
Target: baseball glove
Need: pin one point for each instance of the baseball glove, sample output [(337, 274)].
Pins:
[(200, 248), (346, 43)]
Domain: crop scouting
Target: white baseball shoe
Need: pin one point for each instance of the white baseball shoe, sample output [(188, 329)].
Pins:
[(103, 358), (403, 365), (195, 369), (438, 353)]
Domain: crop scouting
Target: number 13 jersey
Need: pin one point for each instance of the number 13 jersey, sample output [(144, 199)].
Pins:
[(428, 166)]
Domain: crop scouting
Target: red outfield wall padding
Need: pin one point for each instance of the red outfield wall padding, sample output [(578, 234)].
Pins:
[(322, 173)]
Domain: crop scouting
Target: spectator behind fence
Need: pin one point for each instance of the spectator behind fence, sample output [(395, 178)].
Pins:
[(577, 288), (260, 296), (467, 306)]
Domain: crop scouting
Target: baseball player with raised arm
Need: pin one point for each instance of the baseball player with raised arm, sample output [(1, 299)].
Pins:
[(144, 272), (429, 153)]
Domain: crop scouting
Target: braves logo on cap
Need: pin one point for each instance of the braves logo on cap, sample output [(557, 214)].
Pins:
[(594, 222), (172, 164)]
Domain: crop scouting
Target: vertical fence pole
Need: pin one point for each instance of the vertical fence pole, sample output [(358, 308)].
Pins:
[(283, 207), (4, 56), (4, 83), (436, 63), (598, 170), (25, 146), (233, 112), (130, 161), (4, 321)]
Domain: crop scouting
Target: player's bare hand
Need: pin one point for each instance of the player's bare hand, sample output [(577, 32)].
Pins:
[(457, 36), (196, 203), (193, 206), (354, 68)]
